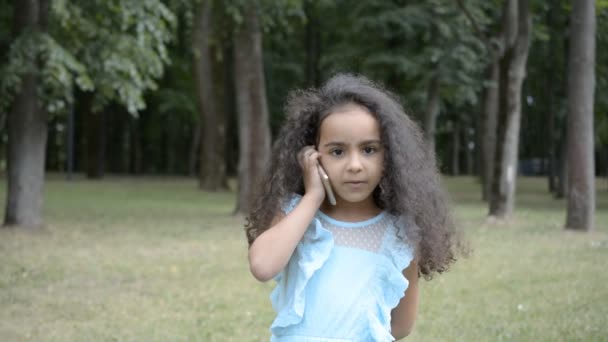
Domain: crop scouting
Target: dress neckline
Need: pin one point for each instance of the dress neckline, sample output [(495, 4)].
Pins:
[(355, 224)]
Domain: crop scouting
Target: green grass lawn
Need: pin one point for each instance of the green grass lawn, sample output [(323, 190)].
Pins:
[(155, 260)]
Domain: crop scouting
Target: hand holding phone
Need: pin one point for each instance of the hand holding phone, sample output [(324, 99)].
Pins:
[(326, 184)]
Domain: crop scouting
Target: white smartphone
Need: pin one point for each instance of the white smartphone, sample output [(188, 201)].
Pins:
[(327, 185)]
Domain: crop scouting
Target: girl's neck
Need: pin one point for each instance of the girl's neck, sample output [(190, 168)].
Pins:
[(351, 212)]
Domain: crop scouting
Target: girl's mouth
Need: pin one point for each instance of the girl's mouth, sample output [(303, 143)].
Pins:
[(355, 184)]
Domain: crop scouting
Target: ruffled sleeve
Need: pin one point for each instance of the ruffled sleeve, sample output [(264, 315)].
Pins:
[(392, 285), (289, 296)]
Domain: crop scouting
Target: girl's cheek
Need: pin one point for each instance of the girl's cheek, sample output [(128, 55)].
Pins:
[(377, 158)]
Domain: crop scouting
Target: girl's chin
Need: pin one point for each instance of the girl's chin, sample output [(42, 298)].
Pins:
[(353, 197)]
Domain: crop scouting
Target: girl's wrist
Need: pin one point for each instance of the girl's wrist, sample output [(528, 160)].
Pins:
[(316, 197)]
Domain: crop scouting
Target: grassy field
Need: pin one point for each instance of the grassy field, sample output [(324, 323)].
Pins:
[(155, 260)]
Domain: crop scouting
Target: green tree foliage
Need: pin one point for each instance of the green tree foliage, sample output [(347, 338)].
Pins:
[(116, 49), (122, 43), (57, 66), (406, 44)]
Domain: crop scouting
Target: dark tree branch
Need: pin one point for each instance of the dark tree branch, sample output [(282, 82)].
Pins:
[(469, 16)]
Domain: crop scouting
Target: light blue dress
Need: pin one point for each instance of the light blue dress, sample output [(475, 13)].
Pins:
[(342, 281)]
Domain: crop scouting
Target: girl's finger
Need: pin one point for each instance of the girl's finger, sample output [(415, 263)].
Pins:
[(307, 157), (300, 158), (314, 158), (313, 162), (302, 155), (309, 150)]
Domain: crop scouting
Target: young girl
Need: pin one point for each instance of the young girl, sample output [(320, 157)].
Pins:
[(349, 271)]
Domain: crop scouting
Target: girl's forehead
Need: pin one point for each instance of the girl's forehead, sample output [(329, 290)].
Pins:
[(348, 123), (347, 107)]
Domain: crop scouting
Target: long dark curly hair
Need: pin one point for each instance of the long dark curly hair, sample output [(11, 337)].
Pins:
[(411, 185)]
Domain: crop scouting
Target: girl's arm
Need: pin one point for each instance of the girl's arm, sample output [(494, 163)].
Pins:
[(404, 315), (270, 252)]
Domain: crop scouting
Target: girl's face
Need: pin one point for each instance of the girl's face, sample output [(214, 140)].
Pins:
[(352, 152)]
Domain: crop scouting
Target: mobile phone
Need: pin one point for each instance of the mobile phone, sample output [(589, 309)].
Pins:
[(326, 184)]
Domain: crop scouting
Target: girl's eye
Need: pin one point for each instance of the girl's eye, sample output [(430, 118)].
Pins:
[(336, 152), (369, 150)]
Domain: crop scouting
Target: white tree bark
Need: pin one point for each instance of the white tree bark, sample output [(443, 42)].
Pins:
[(27, 134), (517, 27)]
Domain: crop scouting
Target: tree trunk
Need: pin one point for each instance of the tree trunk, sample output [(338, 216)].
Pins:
[(125, 145), (27, 132), (3, 147), (550, 68), (212, 136), (164, 142), (135, 146), (221, 77), (52, 148), (254, 130), (95, 141), (478, 144), (469, 151), (606, 164), (456, 149), (70, 140), (231, 154), (116, 139), (313, 44), (562, 170), (167, 145), (605, 154), (490, 114), (551, 170), (80, 125), (512, 73), (581, 89), (432, 110), (194, 147)]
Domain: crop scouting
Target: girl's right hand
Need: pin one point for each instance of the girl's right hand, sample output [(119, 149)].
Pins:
[(308, 157)]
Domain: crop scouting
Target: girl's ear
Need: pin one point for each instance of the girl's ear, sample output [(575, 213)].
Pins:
[(383, 184)]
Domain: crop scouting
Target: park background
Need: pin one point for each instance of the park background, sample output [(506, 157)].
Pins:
[(133, 134)]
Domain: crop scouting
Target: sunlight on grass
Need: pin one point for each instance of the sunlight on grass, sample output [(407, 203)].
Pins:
[(157, 260)]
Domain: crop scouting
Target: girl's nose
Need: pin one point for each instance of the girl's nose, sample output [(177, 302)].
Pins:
[(354, 163)]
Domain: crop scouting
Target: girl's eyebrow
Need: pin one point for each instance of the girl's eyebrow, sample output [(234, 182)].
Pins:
[(364, 142), (371, 141)]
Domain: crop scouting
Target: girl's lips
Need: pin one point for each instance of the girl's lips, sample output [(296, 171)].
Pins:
[(356, 184)]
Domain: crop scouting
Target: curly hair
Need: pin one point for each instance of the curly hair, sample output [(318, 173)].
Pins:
[(411, 184)]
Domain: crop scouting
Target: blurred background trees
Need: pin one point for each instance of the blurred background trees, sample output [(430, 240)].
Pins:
[(196, 88)]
